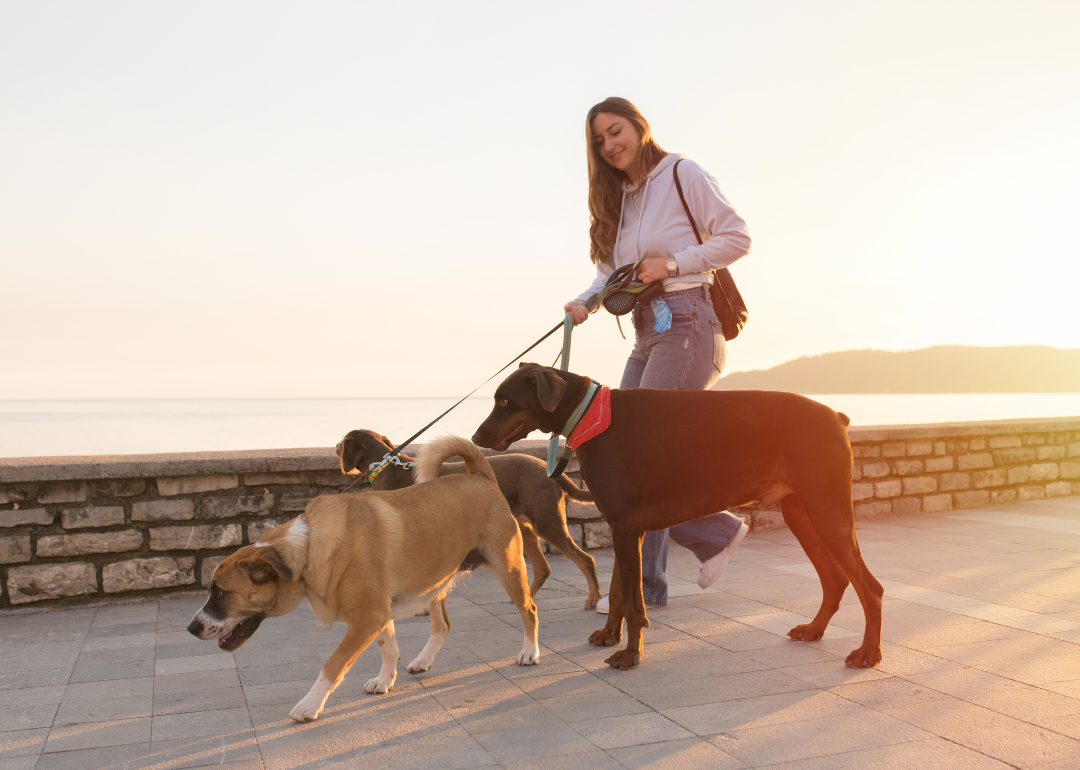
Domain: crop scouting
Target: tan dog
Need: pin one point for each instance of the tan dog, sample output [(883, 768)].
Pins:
[(370, 559)]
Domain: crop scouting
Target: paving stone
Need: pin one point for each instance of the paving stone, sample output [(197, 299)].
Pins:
[(22, 743), (113, 733), (132, 756)]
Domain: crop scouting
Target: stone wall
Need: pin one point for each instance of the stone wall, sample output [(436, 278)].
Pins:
[(81, 529)]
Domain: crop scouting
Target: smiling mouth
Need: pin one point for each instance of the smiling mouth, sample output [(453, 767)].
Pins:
[(232, 640), (509, 438)]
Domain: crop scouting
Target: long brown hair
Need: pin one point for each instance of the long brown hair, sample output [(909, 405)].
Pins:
[(606, 182)]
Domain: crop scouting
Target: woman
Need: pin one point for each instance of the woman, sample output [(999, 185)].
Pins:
[(637, 216)]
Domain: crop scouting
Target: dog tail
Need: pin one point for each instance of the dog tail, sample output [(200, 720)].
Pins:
[(572, 490), (432, 456)]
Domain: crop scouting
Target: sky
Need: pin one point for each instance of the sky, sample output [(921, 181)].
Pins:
[(267, 199)]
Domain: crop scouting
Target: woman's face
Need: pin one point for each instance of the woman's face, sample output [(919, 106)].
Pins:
[(617, 141)]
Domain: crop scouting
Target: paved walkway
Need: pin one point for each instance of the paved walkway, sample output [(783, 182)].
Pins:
[(981, 669)]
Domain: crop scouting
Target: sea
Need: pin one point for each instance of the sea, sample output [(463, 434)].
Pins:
[(60, 428)]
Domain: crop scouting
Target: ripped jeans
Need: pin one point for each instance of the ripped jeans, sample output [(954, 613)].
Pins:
[(688, 356)]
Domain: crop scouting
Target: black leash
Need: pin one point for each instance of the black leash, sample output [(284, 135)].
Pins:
[(373, 473)]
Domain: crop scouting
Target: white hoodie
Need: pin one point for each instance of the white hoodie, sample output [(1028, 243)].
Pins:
[(654, 224)]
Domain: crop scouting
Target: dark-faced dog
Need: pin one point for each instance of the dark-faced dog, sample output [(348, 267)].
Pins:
[(537, 502), (673, 456)]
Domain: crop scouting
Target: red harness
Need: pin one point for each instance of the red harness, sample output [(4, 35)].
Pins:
[(595, 421)]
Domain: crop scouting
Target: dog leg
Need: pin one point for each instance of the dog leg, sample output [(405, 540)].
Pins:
[(440, 627), (387, 642), (531, 545), (356, 640), (611, 633), (508, 566), (559, 537), (833, 581), (628, 552)]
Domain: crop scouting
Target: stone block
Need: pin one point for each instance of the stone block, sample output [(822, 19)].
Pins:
[(865, 450), (333, 479), (257, 529), (956, 446), (23, 516), (977, 444), (878, 509), (887, 488), (577, 534), (205, 536), (920, 485), (295, 501), (974, 499), (163, 510), (940, 448), (938, 464), (1004, 442), (907, 467), (951, 481), (907, 506), (1002, 496), (1034, 439), (919, 448), (994, 477), (1074, 449), (1043, 472), (1076, 487), (1070, 470), (189, 485), (1059, 489), (206, 572), (17, 493), (90, 542), (118, 487), (14, 549), (937, 503), (1049, 453), (1032, 493), (144, 574), (856, 473), (597, 534), (62, 492), (267, 479), (862, 491), (767, 521), (893, 449), (584, 511), (224, 507), (92, 516), (1019, 474), (968, 462), (50, 581), (1007, 456), (875, 470), (1059, 438)]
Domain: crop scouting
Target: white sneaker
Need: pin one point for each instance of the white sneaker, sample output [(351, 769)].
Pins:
[(714, 567), (603, 605)]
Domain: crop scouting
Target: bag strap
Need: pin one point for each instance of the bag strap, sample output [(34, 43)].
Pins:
[(678, 186)]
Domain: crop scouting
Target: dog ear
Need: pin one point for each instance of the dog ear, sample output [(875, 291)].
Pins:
[(350, 453), (268, 565), (549, 387), (387, 442)]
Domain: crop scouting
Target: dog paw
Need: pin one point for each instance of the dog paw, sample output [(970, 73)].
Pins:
[(807, 632), (419, 666), (592, 601), (305, 711), (378, 686), (604, 638), (624, 659), (863, 657), (529, 656)]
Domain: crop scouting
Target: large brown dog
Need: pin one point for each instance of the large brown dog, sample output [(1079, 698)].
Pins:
[(370, 559), (673, 456), (537, 502)]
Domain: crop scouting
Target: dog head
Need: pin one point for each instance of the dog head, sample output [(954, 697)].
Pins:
[(247, 587), (527, 400), (360, 448)]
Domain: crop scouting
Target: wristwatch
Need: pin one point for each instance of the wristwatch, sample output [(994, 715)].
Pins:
[(672, 267)]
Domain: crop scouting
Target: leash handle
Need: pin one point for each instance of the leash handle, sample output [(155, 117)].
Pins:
[(564, 365)]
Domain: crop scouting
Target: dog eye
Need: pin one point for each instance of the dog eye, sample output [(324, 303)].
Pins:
[(218, 593), (501, 401)]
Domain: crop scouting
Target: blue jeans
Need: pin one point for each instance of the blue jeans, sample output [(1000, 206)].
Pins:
[(688, 356)]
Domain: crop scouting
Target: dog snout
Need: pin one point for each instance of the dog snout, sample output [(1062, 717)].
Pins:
[(195, 627)]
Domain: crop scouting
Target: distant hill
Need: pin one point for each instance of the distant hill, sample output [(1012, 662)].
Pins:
[(940, 369)]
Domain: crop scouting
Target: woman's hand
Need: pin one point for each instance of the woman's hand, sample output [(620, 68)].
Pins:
[(652, 269), (577, 311)]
